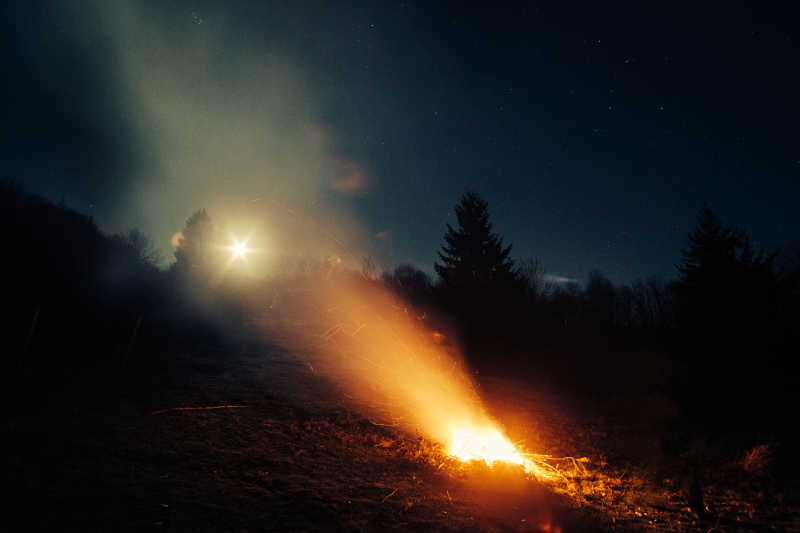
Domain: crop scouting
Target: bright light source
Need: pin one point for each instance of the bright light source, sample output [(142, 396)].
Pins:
[(490, 446), (239, 249)]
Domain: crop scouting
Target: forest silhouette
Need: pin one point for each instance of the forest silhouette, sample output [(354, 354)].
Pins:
[(720, 340)]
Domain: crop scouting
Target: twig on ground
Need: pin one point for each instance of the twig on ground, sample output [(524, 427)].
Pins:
[(388, 495), (204, 408), (379, 424)]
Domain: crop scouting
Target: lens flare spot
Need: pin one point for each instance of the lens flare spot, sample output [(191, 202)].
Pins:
[(239, 249)]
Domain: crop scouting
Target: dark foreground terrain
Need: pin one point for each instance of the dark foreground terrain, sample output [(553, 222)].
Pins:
[(282, 451)]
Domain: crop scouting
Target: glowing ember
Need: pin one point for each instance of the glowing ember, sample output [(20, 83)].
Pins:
[(490, 446)]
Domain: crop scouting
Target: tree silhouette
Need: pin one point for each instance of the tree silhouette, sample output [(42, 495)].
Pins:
[(409, 281), (600, 300), (531, 273), (728, 313), (193, 254), (472, 256), (723, 281), (712, 247)]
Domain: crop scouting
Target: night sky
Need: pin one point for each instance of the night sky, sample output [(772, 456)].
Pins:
[(594, 131)]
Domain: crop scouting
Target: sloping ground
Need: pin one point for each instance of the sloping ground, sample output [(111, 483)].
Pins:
[(284, 453), (630, 480)]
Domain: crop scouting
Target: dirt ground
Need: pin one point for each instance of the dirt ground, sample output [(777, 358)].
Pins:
[(284, 452)]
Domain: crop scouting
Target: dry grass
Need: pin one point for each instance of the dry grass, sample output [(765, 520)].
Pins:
[(298, 458)]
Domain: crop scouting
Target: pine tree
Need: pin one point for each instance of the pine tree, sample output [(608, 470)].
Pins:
[(193, 253), (713, 247), (723, 281), (472, 256)]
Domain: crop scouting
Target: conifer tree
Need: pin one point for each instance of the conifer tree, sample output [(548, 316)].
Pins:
[(723, 282), (194, 253), (472, 256)]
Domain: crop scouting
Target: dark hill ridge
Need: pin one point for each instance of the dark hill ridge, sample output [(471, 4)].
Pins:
[(102, 347)]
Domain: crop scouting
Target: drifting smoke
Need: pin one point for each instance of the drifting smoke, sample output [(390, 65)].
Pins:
[(361, 336), (217, 115), (381, 354)]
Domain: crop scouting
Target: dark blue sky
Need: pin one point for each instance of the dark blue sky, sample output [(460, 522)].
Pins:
[(594, 131)]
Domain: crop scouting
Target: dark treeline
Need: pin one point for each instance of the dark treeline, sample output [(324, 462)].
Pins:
[(90, 311), (719, 341), (478, 280), (721, 283)]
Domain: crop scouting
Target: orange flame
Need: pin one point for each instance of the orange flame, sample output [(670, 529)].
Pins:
[(392, 366), (489, 445)]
